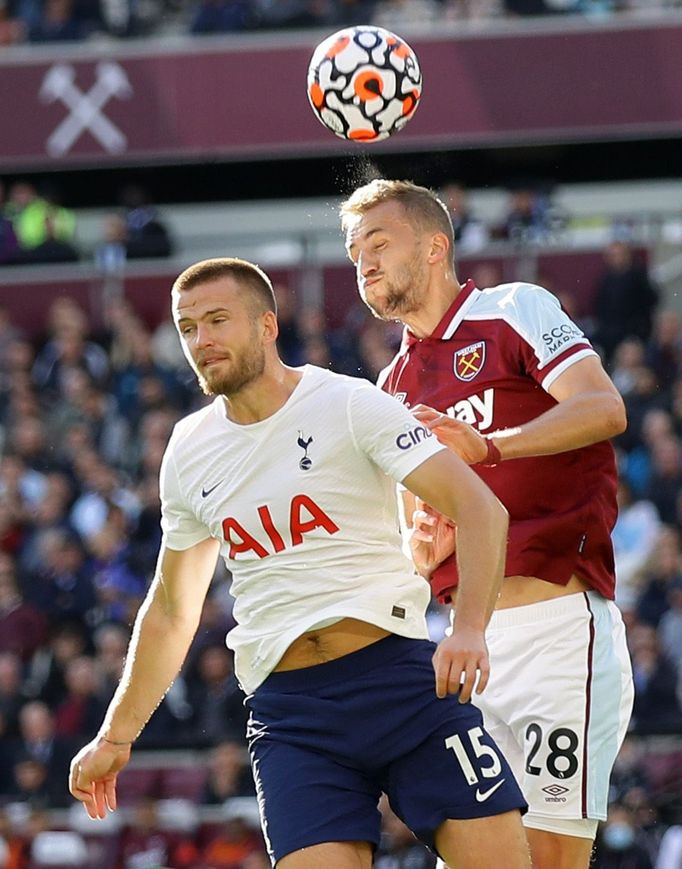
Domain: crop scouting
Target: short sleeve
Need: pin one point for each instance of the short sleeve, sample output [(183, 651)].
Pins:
[(551, 341), (181, 528), (386, 431)]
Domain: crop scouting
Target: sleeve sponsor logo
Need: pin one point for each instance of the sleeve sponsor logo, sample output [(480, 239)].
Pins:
[(560, 335), (412, 437)]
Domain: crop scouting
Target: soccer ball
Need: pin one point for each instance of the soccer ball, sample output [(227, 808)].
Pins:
[(364, 83)]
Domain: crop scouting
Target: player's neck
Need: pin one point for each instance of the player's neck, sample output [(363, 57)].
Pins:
[(263, 397), (437, 299)]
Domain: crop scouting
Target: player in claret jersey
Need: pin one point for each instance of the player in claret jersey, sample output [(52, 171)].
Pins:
[(507, 381), (290, 474)]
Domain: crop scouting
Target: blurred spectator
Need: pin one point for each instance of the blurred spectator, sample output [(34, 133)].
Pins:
[(9, 246), (471, 234), (59, 22), (12, 846), (628, 771), (664, 568), (625, 299), (39, 742), (83, 404), (147, 235), (46, 677), (664, 349), (229, 774), (617, 846), (61, 588), (237, 838), (670, 625), (289, 339), (118, 587), (216, 698), (665, 481), (45, 230), (144, 843), (102, 490), (628, 358), (49, 511), (80, 711), (399, 13), (222, 16), (634, 537), (69, 349), (111, 643), (530, 217), (294, 13), (12, 696), (31, 783), (22, 627), (656, 708), (110, 252)]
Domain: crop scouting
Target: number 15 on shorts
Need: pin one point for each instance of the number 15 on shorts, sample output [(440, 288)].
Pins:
[(480, 750)]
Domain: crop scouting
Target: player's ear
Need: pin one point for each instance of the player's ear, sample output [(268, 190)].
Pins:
[(439, 249), (270, 327)]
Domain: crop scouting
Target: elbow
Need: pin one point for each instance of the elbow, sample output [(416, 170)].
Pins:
[(615, 416)]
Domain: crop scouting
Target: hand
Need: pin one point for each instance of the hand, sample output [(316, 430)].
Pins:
[(433, 538), (92, 778), (457, 436), (458, 660)]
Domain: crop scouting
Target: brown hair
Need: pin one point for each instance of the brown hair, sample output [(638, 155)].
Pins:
[(247, 274), (421, 204)]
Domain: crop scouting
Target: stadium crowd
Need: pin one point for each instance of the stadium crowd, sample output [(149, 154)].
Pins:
[(50, 21), (86, 408)]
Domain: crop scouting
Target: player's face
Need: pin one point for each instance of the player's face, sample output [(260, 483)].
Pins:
[(389, 257), (220, 336)]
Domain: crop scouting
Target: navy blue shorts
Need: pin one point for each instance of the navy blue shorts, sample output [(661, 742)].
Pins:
[(325, 741)]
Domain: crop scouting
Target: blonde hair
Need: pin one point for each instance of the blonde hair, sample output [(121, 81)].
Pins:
[(250, 276), (422, 205)]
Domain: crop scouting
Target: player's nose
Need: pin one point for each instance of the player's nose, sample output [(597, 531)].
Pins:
[(367, 265)]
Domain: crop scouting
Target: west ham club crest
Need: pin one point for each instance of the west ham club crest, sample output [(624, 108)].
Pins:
[(469, 360)]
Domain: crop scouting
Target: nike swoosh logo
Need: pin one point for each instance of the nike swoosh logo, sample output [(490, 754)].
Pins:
[(481, 797), (206, 492)]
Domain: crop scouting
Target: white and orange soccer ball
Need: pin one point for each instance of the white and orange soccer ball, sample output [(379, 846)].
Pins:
[(364, 83)]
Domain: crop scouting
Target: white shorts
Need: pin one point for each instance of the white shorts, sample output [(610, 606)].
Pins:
[(558, 704)]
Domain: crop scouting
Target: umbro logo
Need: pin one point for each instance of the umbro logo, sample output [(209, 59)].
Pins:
[(206, 492), (555, 790), (482, 796)]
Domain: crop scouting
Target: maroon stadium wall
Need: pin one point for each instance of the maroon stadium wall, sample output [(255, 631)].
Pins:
[(237, 98)]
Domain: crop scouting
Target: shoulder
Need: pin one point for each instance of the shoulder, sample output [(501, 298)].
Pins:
[(517, 299), (187, 429), (334, 385)]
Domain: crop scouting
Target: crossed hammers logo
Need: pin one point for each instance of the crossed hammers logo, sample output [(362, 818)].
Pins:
[(85, 107)]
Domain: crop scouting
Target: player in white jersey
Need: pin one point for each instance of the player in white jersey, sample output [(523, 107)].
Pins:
[(504, 378), (290, 475)]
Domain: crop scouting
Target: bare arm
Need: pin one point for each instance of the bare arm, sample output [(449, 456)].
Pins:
[(163, 631), (447, 485), (589, 410)]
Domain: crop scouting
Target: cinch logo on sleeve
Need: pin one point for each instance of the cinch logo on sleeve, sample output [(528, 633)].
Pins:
[(304, 516), (412, 437), (476, 410)]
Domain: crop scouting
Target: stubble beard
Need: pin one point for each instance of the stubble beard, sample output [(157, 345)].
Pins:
[(247, 368), (401, 294)]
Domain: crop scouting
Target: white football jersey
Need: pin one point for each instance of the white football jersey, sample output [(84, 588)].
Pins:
[(304, 504)]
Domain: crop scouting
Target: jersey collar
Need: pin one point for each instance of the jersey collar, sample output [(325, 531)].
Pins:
[(451, 319)]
